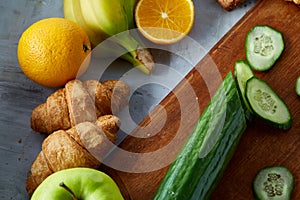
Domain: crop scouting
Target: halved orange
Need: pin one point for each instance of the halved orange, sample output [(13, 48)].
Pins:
[(164, 21)]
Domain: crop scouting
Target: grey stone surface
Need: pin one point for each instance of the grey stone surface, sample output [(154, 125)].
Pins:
[(18, 95)]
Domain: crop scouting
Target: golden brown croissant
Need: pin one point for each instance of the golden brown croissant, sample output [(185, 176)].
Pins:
[(78, 102), (81, 146)]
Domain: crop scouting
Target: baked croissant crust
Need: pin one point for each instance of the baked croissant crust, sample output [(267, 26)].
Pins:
[(81, 146), (79, 102)]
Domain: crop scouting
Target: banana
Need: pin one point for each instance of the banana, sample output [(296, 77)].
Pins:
[(73, 13), (102, 19), (104, 15), (129, 10)]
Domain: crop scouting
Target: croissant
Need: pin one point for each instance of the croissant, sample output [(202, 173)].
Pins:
[(81, 146), (78, 102)]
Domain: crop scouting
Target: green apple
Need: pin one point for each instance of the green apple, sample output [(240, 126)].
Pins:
[(78, 184)]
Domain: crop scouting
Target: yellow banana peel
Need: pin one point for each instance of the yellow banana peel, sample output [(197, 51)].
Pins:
[(102, 19)]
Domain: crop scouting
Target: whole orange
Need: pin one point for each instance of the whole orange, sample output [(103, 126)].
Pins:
[(53, 51)]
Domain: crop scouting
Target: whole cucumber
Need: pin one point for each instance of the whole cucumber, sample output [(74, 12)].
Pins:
[(206, 153)]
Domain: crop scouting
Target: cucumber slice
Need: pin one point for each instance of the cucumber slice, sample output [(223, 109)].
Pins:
[(298, 86), (273, 182), (243, 73), (266, 104), (264, 46)]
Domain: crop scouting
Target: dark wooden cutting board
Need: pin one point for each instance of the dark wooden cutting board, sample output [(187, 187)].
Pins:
[(260, 146)]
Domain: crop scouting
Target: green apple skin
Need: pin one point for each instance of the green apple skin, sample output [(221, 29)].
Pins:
[(85, 183)]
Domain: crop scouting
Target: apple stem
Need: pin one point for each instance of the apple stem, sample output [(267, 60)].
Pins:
[(63, 185)]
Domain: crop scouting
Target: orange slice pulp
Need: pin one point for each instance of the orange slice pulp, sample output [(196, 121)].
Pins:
[(164, 21)]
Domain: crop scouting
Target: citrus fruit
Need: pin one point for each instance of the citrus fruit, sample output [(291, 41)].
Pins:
[(164, 21), (53, 51)]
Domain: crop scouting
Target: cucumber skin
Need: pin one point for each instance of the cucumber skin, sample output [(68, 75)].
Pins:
[(297, 88), (247, 109), (191, 177)]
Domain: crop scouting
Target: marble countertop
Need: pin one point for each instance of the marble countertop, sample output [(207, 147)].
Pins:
[(19, 96)]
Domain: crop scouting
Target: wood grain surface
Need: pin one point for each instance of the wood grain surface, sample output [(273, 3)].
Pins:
[(260, 146)]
